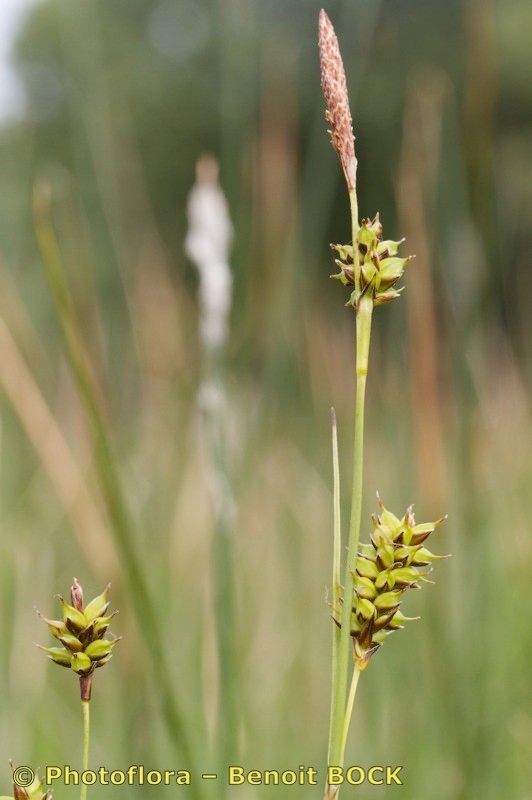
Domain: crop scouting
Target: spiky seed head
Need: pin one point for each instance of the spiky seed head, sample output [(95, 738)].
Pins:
[(395, 560), (338, 112), (81, 633), (35, 791), (380, 265)]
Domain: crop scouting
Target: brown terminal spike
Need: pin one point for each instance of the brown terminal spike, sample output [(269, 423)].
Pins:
[(338, 113)]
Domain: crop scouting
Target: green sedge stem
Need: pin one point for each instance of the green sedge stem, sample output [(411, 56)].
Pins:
[(337, 513), (364, 312), (349, 709), (353, 201), (336, 587), (85, 707)]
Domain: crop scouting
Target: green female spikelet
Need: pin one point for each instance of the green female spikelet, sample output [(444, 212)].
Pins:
[(81, 633), (395, 560), (35, 791), (378, 262)]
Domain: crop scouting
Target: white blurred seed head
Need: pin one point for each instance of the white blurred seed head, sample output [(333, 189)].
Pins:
[(208, 244)]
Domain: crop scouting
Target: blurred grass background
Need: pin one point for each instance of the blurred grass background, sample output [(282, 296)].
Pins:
[(122, 98)]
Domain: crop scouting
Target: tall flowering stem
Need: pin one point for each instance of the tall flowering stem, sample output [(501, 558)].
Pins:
[(338, 114), (366, 607)]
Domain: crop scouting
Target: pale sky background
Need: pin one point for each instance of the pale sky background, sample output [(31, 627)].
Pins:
[(12, 14)]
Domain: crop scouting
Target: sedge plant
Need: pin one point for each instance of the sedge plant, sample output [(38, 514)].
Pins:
[(366, 606), (84, 648), (123, 526)]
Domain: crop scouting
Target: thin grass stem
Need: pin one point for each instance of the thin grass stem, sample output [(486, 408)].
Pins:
[(223, 572), (355, 225), (337, 511), (86, 712), (336, 585), (349, 708), (364, 314)]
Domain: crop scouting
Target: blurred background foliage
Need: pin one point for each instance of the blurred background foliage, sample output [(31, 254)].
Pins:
[(123, 98)]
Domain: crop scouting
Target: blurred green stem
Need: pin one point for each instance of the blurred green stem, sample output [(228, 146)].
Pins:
[(336, 584), (85, 707), (339, 717), (223, 566), (122, 527)]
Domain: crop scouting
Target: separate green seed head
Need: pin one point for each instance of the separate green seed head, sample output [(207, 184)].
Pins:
[(380, 266), (82, 634), (35, 791), (393, 562)]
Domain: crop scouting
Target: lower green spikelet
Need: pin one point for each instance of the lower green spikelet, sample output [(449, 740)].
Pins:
[(35, 791), (393, 561)]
